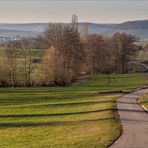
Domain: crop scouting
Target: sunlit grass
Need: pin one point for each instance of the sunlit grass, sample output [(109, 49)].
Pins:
[(63, 117), (144, 101)]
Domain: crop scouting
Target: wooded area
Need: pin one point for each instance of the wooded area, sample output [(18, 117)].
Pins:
[(68, 54)]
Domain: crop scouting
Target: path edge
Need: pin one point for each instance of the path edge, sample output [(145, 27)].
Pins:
[(131, 91)]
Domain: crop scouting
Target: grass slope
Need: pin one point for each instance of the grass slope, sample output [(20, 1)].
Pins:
[(63, 117), (144, 101)]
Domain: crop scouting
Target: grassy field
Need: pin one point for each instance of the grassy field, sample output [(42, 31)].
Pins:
[(63, 117), (142, 42), (36, 53), (144, 101)]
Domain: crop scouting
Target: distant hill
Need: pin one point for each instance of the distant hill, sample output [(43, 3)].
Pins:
[(33, 29), (133, 25), (138, 28), (37, 27), (98, 28)]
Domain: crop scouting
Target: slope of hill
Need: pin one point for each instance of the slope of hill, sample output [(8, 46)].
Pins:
[(33, 29), (141, 33), (139, 24), (137, 28), (98, 28)]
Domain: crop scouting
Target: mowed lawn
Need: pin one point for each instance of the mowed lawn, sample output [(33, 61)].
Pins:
[(63, 117)]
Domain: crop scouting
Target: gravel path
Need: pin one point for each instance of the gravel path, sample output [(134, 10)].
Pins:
[(134, 121)]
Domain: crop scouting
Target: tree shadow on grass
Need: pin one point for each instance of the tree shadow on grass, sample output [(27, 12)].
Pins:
[(20, 101), (144, 102), (77, 103), (54, 123), (68, 113), (54, 114)]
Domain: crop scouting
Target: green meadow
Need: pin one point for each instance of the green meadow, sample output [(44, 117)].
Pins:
[(76, 116)]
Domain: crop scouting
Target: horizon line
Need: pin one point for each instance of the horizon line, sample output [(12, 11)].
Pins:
[(78, 22)]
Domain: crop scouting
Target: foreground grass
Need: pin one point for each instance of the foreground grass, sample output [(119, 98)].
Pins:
[(63, 117), (144, 101)]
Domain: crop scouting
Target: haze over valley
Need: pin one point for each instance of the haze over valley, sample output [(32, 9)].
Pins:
[(139, 28)]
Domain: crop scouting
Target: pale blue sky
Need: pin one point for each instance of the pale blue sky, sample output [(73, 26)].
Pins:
[(99, 11)]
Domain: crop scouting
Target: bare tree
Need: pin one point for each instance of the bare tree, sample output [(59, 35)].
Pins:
[(124, 50), (67, 52), (4, 73), (26, 56), (10, 62), (94, 47)]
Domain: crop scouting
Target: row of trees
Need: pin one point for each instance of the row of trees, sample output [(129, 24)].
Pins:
[(110, 55), (68, 55), (17, 63)]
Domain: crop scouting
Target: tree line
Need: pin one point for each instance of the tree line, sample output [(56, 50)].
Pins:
[(67, 54)]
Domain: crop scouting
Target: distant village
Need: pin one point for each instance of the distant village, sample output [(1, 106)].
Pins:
[(6, 39)]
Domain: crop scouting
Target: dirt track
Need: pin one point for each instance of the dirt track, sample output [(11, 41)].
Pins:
[(134, 121)]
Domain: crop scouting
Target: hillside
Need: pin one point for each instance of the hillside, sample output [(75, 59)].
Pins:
[(137, 28), (141, 24)]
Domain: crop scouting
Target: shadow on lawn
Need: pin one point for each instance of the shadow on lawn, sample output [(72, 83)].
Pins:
[(55, 114), (34, 99), (62, 123), (77, 103), (68, 113), (54, 123)]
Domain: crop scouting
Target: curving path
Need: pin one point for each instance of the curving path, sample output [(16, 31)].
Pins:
[(134, 121)]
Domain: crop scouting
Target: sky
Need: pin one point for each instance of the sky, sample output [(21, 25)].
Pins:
[(97, 11)]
